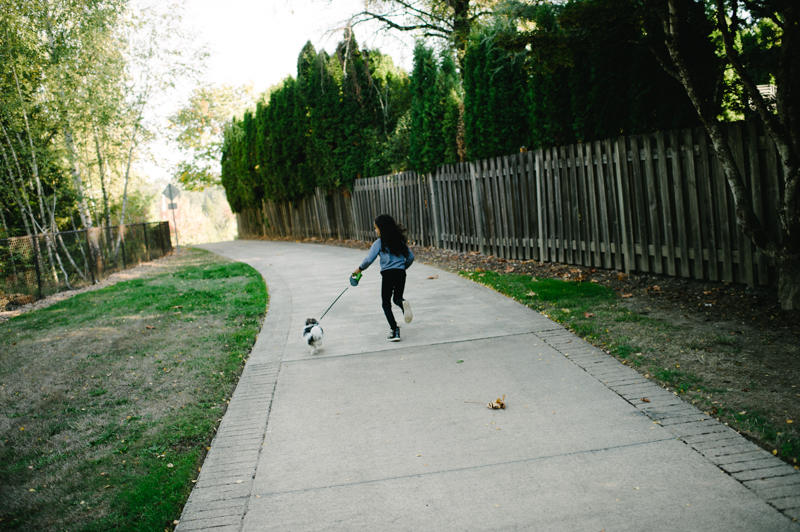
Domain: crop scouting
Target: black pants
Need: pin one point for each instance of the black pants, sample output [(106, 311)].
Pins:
[(394, 282)]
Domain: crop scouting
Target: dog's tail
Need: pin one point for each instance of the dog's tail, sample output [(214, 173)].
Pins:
[(316, 334)]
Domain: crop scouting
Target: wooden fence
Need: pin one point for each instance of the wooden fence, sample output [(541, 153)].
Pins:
[(654, 203)]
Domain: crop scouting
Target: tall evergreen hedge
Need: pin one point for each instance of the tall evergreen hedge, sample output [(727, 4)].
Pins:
[(434, 110), (353, 114), (325, 128)]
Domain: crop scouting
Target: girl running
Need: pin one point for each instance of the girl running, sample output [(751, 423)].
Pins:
[(396, 258)]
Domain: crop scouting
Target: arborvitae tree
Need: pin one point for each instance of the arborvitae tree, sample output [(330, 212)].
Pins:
[(357, 109), (238, 189), (495, 121), (324, 129), (391, 89), (323, 95), (280, 150), (434, 111), (589, 79), (616, 87), (448, 84)]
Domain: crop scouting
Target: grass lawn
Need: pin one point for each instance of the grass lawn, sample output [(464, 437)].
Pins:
[(110, 399)]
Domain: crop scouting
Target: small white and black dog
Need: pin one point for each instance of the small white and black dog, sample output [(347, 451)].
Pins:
[(312, 334)]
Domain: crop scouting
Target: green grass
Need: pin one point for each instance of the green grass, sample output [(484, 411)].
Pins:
[(681, 381), (112, 396), (786, 441), (545, 293)]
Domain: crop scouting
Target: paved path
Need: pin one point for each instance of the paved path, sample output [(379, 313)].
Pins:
[(376, 436)]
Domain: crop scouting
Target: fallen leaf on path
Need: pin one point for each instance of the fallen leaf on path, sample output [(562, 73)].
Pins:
[(498, 403), (434, 276), (645, 400), (627, 295), (149, 327)]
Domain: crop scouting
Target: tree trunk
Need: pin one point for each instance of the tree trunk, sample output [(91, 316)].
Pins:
[(14, 189), (461, 30), (783, 254), (101, 164), (124, 198), (788, 280), (75, 172)]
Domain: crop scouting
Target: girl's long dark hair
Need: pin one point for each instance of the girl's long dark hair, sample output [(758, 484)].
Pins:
[(394, 237)]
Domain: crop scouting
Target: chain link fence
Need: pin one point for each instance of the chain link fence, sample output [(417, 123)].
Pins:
[(45, 264)]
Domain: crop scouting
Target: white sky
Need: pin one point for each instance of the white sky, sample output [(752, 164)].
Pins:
[(257, 42)]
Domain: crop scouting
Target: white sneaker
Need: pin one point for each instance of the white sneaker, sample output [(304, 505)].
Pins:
[(407, 315)]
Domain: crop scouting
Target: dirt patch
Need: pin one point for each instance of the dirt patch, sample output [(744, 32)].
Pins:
[(724, 347), (109, 400)]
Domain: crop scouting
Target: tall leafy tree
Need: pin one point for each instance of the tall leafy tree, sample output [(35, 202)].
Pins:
[(781, 119), (197, 129)]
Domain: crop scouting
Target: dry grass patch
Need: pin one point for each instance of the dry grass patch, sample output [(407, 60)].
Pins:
[(110, 398)]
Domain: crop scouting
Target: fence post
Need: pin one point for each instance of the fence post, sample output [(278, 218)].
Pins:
[(435, 205), (92, 258), (166, 237), (146, 246), (35, 245), (121, 229), (477, 203)]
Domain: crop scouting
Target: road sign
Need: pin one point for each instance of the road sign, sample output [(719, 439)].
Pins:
[(171, 192)]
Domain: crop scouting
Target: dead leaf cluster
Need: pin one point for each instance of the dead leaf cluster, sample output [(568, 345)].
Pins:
[(497, 404)]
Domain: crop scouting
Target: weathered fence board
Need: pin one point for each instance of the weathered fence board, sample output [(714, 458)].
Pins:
[(649, 203)]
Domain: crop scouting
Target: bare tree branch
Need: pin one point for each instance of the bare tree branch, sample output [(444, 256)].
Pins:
[(396, 26)]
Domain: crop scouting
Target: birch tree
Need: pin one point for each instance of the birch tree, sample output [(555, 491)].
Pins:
[(782, 120), (197, 129), (160, 53)]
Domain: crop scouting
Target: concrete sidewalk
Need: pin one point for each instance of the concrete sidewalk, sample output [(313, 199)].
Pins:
[(374, 435)]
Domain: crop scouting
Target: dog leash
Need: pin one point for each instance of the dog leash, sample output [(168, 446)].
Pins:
[(354, 279), (332, 304)]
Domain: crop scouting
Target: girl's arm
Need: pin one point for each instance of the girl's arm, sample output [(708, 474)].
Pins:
[(373, 253), (409, 259)]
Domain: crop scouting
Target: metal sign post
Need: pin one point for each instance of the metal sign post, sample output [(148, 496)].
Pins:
[(172, 192)]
